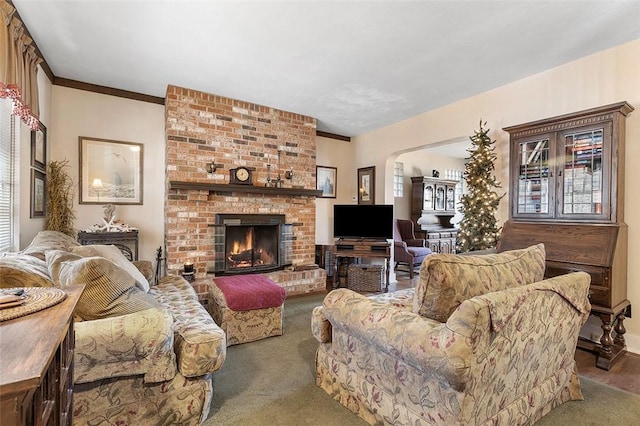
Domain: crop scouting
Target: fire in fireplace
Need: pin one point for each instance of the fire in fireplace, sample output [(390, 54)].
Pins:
[(247, 243), (251, 246)]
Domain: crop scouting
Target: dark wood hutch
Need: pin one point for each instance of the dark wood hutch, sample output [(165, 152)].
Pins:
[(433, 205), (567, 191)]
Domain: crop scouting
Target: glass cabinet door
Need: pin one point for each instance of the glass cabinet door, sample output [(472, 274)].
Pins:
[(584, 169), (534, 179), (451, 198), (440, 194), (428, 198)]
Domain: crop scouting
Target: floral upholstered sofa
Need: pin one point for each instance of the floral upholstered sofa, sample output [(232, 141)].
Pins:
[(482, 339), (144, 354)]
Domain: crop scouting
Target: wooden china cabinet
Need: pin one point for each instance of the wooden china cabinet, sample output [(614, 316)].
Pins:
[(433, 205), (567, 191)]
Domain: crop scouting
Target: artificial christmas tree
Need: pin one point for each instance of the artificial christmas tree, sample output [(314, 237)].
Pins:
[(478, 228)]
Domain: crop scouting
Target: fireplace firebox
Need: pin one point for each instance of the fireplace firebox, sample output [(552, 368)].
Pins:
[(251, 243)]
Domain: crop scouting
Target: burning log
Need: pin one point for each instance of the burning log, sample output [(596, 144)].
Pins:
[(243, 256)]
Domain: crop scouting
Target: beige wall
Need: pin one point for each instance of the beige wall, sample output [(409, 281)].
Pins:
[(79, 113), (606, 77), (339, 154)]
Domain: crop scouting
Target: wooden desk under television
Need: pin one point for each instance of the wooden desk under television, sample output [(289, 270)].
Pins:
[(361, 248)]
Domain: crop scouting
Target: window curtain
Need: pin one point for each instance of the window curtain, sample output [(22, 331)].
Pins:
[(18, 66)]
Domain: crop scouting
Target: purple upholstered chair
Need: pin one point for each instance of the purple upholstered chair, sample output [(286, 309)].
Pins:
[(406, 247)]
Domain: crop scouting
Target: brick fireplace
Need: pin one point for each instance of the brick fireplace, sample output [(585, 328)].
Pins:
[(202, 128), (247, 243)]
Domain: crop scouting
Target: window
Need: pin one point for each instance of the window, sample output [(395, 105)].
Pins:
[(7, 176), (398, 179)]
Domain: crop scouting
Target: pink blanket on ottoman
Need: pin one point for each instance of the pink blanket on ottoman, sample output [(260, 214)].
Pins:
[(249, 292)]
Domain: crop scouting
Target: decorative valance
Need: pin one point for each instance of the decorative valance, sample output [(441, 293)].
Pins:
[(18, 66)]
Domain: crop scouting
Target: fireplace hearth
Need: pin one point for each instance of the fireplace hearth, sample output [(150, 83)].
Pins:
[(251, 243)]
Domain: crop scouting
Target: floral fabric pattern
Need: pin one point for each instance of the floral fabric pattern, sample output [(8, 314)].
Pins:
[(447, 280), (244, 326), (393, 366), (320, 326), (140, 343), (131, 401), (401, 299), (200, 345)]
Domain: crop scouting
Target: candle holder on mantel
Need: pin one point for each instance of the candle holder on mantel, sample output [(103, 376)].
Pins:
[(277, 182), (188, 272)]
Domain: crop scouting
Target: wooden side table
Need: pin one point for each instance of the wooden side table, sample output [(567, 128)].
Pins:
[(127, 242), (36, 373)]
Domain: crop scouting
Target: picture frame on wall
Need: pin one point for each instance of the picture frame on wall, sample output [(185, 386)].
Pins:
[(326, 180), (110, 171), (39, 147), (38, 193), (366, 185)]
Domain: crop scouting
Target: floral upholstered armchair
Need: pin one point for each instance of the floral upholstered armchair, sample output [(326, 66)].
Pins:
[(482, 339)]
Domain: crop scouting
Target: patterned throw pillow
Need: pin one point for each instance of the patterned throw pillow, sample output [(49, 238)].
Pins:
[(447, 280), (22, 270), (114, 254), (109, 290)]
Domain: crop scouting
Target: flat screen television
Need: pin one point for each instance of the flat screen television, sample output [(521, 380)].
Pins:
[(363, 221)]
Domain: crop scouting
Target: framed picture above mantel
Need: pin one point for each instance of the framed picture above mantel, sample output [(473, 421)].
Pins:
[(110, 171)]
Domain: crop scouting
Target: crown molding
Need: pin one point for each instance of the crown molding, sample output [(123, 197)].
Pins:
[(74, 84)]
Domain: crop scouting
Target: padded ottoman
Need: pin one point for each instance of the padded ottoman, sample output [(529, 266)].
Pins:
[(247, 307)]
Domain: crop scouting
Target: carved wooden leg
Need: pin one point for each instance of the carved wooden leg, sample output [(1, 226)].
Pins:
[(611, 348), (620, 330), (606, 340)]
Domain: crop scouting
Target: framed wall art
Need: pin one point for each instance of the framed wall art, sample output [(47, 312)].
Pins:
[(366, 185), (110, 171), (326, 179), (38, 193), (39, 147)]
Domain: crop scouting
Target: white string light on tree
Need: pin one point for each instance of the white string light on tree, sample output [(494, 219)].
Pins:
[(478, 228)]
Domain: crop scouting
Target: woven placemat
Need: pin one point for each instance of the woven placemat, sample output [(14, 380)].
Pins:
[(36, 299)]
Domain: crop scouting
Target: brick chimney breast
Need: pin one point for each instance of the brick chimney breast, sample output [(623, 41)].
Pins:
[(202, 128)]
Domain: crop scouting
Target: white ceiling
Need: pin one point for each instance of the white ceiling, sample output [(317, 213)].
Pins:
[(354, 65)]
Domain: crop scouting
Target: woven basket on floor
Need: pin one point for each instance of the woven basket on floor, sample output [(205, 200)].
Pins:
[(365, 277)]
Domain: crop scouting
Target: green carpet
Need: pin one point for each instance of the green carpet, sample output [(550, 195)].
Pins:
[(272, 382)]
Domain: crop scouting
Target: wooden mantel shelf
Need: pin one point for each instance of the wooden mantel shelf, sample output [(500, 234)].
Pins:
[(255, 189)]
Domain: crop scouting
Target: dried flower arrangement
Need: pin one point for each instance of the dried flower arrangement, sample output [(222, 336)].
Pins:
[(60, 190)]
